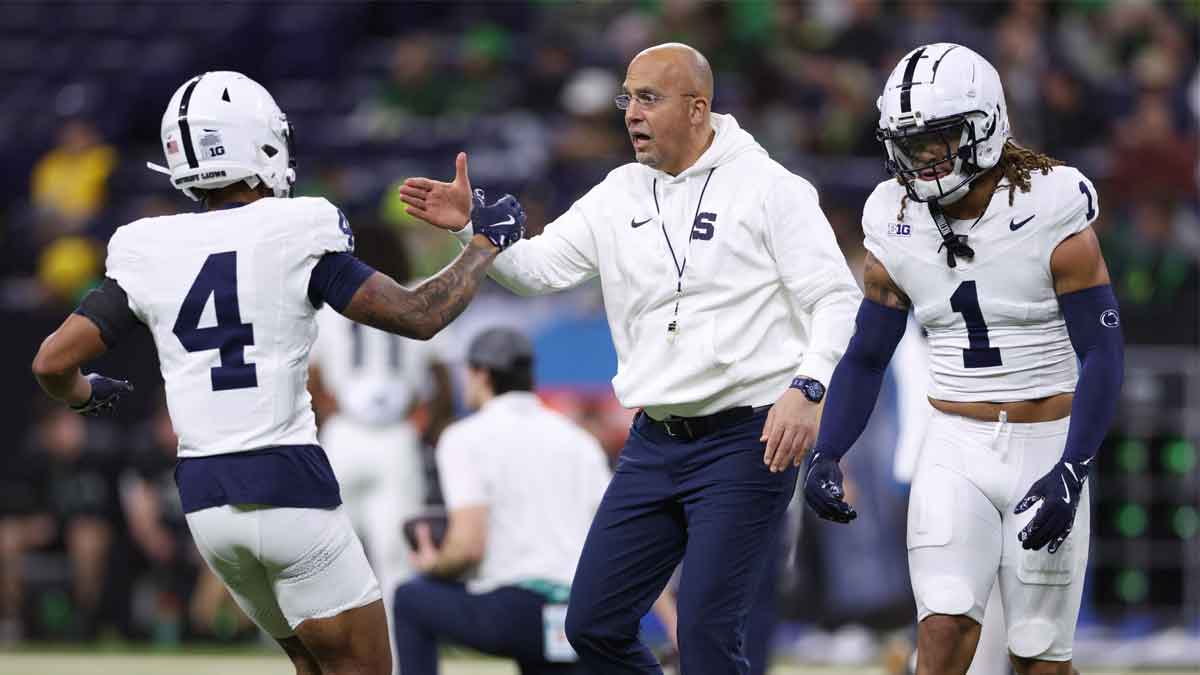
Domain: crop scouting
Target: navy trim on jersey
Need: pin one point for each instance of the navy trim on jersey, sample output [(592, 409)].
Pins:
[(336, 278), (298, 476), (107, 306)]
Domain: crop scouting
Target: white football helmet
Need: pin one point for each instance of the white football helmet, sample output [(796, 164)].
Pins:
[(222, 127), (942, 121)]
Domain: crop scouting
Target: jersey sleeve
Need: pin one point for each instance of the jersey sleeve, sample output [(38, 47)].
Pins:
[(336, 274), (331, 231), (460, 469), (121, 266), (879, 212), (1076, 206)]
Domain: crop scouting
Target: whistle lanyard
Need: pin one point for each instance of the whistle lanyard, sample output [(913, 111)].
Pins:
[(673, 326)]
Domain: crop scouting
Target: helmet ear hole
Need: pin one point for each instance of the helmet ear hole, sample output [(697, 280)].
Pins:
[(270, 150)]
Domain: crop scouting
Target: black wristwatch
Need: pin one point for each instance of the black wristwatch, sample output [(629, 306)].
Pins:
[(813, 390)]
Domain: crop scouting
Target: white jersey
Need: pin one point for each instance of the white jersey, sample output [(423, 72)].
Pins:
[(375, 376), (996, 332), (225, 295)]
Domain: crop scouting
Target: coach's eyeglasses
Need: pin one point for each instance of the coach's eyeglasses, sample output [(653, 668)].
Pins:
[(644, 98)]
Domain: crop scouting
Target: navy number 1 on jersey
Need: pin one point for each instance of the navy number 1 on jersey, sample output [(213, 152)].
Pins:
[(981, 353), (218, 278)]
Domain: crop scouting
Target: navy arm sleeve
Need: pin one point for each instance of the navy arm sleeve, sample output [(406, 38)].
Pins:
[(1094, 324), (107, 306), (858, 377), (335, 279)]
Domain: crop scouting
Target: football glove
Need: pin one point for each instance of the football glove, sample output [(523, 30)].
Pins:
[(502, 221), (1059, 491), (105, 393), (823, 489)]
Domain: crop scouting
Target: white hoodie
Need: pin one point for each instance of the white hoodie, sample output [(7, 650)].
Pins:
[(765, 292)]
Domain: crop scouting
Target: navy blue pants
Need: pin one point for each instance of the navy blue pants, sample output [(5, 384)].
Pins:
[(506, 622), (710, 503)]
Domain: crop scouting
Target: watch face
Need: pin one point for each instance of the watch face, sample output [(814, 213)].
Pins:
[(814, 391)]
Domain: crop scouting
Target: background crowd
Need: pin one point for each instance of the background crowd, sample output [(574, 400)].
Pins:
[(92, 540)]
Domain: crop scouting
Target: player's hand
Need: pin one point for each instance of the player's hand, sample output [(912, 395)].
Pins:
[(502, 221), (444, 205), (425, 557), (823, 489), (105, 393), (1059, 491), (791, 429)]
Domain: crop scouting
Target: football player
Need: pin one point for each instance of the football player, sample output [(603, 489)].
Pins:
[(230, 296), (990, 245)]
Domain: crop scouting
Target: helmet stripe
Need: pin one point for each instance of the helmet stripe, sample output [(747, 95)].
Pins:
[(939, 62), (906, 85), (185, 129)]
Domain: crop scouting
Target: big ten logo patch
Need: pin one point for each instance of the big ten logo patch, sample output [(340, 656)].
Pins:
[(899, 229), (211, 141)]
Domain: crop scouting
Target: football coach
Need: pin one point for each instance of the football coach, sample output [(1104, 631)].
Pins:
[(729, 304)]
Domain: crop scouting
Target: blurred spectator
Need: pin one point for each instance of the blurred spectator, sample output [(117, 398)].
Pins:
[(1070, 118), (26, 524), (1155, 268), (414, 87), (68, 268), (71, 180), (1150, 157), (591, 139), (75, 464)]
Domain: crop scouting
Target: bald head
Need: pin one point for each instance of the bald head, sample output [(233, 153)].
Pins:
[(670, 88), (681, 63)]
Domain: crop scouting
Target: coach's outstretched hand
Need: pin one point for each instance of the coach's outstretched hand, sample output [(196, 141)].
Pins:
[(441, 204), (1059, 491), (502, 221), (823, 489), (105, 393)]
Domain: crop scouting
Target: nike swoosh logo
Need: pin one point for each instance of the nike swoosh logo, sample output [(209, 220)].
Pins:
[(1066, 497), (638, 223), (509, 221), (1072, 470), (1014, 225)]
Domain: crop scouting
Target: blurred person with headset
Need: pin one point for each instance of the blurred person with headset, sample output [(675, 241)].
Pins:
[(521, 484), (729, 303)]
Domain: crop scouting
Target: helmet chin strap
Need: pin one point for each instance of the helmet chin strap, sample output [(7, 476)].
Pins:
[(955, 244)]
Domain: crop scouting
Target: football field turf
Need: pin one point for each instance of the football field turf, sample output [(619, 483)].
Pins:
[(80, 663)]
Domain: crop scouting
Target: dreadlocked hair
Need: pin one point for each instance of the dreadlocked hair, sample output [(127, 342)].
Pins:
[(1018, 163)]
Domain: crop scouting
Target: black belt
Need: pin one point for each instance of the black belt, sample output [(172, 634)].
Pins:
[(692, 428)]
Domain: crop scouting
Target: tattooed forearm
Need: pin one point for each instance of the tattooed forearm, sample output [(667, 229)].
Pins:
[(879, 287), (422, 311)]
